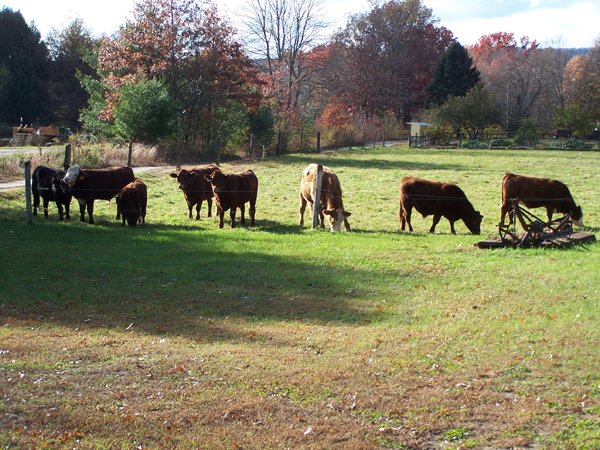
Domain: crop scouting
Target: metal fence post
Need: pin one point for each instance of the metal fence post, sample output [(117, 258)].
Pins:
[(317, 196), (28, 192)]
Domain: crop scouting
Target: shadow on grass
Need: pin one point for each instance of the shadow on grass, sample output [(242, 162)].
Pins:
[(167, 281)]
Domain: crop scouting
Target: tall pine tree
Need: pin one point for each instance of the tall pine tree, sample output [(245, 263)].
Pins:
[(454, 75)]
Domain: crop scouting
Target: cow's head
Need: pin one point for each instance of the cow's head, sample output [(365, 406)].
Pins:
[(473, 222), (336, 217), (73, 174), (217, 180), (185, 179), (577, 216)]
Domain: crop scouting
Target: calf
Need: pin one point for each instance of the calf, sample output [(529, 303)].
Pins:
[(536, 193), (196, 188), (330, 203), (439, 199), (232, 191), (91, 184), (131, 203), (46, 183)]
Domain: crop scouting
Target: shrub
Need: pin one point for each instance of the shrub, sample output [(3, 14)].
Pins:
[(474, 144), (527, 133)]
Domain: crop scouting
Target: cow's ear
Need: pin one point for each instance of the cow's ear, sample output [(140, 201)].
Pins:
[(173, 175), (208, 178), (347, 213), (328, 212)]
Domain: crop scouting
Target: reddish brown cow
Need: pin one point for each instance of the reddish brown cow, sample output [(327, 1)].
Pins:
[(437, 199), (233, 191), (537, 193), (91, 184), (330, 204), (196, 188), (132, 201)]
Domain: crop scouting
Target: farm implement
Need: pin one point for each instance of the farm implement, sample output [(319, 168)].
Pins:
[(536, 232)]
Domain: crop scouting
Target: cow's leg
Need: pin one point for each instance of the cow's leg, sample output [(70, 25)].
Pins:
[(59, 206), (190, 207), (302, 209), (436, 220), (81, 209), (346, 224), (198, 206), (209, 203), (452, 230), (252, 211), (36, 201), (407, 214), (67, 211), (46, 201), (549, 212), (232, 216), (221, 214), (243, 214), (505, 209), (90, 211), (118, 216)]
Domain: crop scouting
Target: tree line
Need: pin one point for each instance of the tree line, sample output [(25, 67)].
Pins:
[(178, 73)]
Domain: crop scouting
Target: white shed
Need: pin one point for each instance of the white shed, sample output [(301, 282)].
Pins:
[(417, 128)]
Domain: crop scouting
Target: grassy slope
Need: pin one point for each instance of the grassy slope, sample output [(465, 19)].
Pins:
[(177, 333)]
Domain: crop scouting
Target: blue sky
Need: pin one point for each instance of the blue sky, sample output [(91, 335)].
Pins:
[(570, 23)]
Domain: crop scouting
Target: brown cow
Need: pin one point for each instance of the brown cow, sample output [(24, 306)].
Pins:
[(330, 204), (536, 193), (132, 201), (196, 188), (232, 191), (91, 184), (437, 199)]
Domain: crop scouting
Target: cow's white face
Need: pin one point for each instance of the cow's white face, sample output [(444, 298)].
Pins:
[(336, 218), (71, 176)]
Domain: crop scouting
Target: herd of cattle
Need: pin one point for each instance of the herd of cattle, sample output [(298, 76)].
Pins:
[(233, 191)]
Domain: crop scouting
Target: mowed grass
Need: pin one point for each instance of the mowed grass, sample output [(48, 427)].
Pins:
[(178, 334)]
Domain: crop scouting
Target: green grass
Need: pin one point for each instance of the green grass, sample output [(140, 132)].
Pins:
[(178, 334)]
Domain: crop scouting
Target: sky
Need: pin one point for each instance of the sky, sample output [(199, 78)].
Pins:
[(555, 23)]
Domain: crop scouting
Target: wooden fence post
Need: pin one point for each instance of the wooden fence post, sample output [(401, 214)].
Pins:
[(28, 192), (318, 142), (129, 153), (251, 145), (67, 160), (317, 196)]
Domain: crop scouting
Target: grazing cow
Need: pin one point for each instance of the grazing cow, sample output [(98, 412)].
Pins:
[(439, 199), (91, 184), (233, 191), (196, 188), (131, 203), (46, 183), (536, 193), (330, 204)]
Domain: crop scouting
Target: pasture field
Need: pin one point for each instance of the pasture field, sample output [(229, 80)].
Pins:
[(179, 335)]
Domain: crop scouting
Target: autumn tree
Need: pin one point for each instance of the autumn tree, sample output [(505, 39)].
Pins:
[(512, 73), (69, 50), (24, 66), (189, 47), (336, 121), (392, 51), (280, 33), (454, 75)]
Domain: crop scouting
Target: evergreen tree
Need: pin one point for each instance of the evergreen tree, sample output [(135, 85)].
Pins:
[(454, 75), (24, 68)]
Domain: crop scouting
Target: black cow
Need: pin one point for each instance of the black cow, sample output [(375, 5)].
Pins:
[(91, 184), (47, 184)]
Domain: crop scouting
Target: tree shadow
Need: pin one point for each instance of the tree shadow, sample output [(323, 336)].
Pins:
[(98, 277)]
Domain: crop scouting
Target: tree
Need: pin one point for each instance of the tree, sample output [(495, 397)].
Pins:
[(145, 113), (336, 121), (281, 32), (24, 66), (68, 49), (512, 73), (391, 55), (188, 46), (454, 75), (471, 113)]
